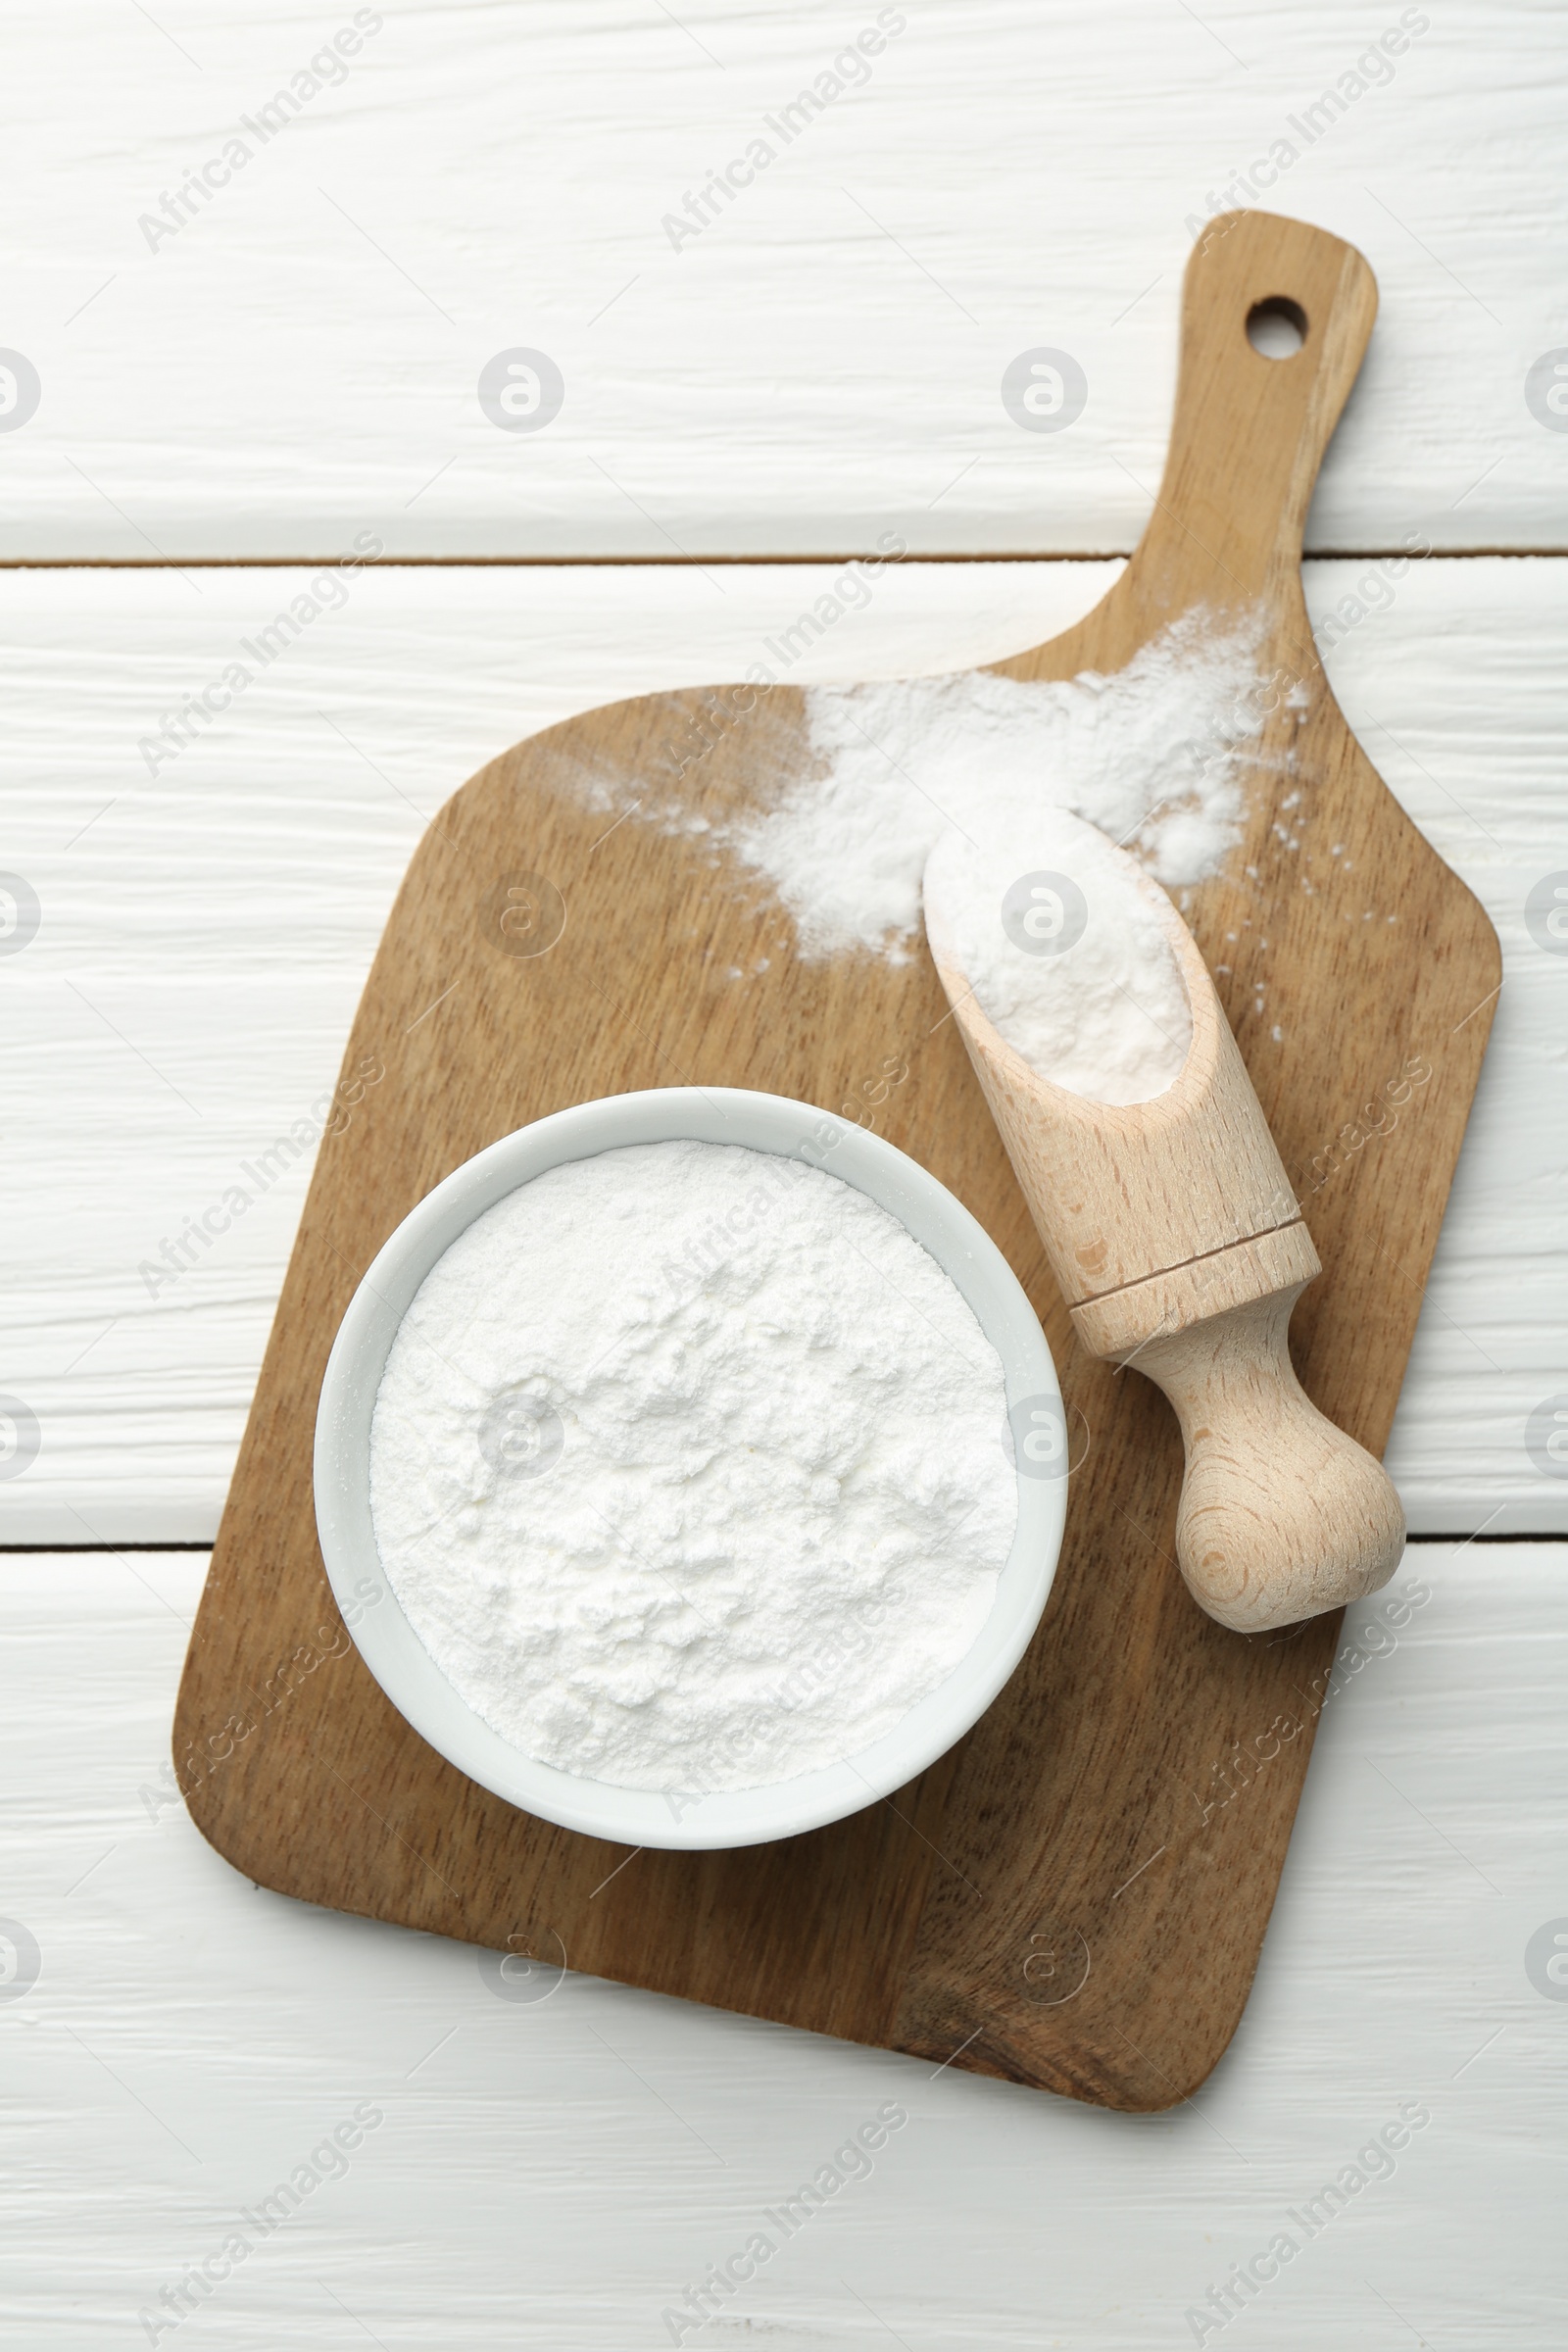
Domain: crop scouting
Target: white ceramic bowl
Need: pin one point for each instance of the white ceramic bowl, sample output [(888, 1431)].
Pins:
[(398, 1659)]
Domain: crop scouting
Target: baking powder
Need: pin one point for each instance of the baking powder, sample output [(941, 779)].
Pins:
[(689, 1468), (1067, 946), (1156, 756)]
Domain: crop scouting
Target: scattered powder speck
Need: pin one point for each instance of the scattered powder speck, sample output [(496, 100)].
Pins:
[(1067, 946), (1155, 754), (689, 1468)]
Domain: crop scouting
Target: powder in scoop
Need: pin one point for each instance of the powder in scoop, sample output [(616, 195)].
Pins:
[(689, 1468), (1067, 946), (1156, 756)]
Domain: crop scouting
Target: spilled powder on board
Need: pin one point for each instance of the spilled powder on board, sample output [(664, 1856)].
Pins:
[(1156, 756)]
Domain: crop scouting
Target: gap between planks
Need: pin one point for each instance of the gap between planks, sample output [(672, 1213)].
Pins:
[(662, 562), (205, 1544)]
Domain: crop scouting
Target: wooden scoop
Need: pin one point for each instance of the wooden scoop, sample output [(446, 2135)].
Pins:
[(1174, 1234)]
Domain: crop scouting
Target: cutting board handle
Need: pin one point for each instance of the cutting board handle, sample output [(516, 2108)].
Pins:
[(1250, 431)]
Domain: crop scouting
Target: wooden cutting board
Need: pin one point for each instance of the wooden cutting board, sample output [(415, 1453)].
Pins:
[(1076, 1896)]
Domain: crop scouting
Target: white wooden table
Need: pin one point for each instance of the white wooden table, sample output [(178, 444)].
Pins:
[(205, 394)]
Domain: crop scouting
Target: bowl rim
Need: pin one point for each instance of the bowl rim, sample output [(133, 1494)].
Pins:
[(680, 1818)]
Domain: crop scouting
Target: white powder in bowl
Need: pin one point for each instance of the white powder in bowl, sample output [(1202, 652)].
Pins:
[(1067, 946), (689, 1468)]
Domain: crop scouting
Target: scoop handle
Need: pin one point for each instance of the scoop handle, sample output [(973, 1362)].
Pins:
[(1282, 1516)]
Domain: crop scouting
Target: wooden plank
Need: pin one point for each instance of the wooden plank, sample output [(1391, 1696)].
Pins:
[(1045, 1817), (298, 357), (225, 914), (644, 2141)]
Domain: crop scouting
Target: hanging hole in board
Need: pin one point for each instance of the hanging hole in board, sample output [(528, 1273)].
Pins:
[(1276, 329)]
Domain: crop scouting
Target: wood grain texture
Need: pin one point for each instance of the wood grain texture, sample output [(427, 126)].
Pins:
[(1281, 1516), (915, 1923), (224, 915), (824, 361), (1131, 1319)]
